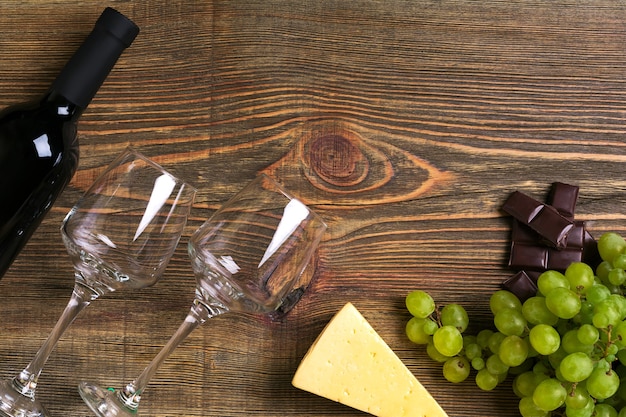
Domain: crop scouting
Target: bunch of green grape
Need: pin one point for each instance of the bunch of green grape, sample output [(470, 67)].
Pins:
[(564, 348)]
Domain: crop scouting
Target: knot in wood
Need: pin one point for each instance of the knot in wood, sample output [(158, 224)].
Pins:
[(337, 159)]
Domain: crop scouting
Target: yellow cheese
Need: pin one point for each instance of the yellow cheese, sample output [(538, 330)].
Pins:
[(350, 363)]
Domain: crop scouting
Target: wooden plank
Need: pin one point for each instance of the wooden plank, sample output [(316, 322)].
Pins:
[(404, 124)]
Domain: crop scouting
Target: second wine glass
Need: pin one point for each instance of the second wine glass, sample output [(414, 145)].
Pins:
[(247, 257), (120, 234)]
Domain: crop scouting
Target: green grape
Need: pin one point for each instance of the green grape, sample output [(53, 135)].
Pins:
[(527, 408), (587, 334), (619, 261), (610, 245), (472, 351), (549, 395), (535, 311), (544, 339), (563, 302), (621, 391), (485, 380), (434, 354), (515, 391), (513, 351), (611, 350), (494, 342), (454, 315), (585, 411), (621, 356), (468, 339), (430, 326), (510, 321), (532, 353), (448, 340), (602, 384), (606, 313), (604, 410), (456, 369), (603, 364), (615, 289), (580, 277), (550, 280), (415, 331), (577, 397), (576, 367), (571, 343), (554, 359), (504, 299), (541, 368), (420, 304), (482, 338), (525, 366), (495, 365), (622, 412), (585, 315), (525, 383), (602, 271), (597, 293), (502, 377), (478, 363), (620, 303), (563, 326), (617, 276), (601, 320)]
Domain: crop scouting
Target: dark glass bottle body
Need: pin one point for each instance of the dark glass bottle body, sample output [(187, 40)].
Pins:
[(38, 145), (38, 157)]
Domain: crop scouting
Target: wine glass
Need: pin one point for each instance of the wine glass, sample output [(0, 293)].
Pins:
[(247, 257), (120, 234)]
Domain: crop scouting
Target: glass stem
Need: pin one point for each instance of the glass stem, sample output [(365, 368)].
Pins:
[(26, 381), (200, 312)]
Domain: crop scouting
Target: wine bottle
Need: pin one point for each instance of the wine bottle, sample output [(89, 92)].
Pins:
[(38, 142)]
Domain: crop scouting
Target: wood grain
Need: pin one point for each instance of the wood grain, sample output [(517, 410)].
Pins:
[(405, 124)]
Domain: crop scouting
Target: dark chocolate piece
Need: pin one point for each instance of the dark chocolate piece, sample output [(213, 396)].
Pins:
[(522, 207), (522, 285), (543, 219), (563, 198), (559, 260), (534, 275), (591, 255), (528, 256), (522, 233), (540, 258), (576, 235)]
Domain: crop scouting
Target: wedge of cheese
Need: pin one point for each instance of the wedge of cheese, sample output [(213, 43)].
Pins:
[(350, 363)]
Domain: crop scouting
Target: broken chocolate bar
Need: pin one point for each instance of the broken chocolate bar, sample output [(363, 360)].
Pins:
[(542, 218), (531, 253)]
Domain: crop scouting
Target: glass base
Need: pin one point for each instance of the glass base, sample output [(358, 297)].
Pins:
[(103, 402), (14, 404)]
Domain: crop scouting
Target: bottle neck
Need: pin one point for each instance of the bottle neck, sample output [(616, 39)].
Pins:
[(61, 106), (90, 65)]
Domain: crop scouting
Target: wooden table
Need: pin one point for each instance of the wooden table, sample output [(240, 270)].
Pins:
[(405, 124)]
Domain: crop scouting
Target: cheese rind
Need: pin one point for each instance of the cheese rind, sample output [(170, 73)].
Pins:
[(351, 364)]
